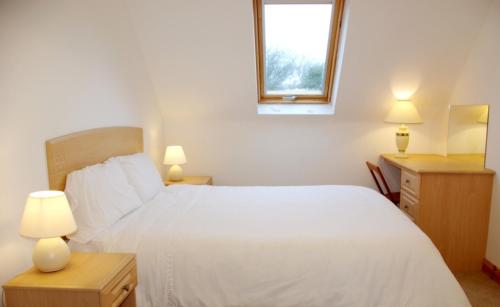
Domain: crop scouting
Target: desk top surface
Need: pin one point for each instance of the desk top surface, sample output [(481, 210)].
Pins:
[(431, 163)]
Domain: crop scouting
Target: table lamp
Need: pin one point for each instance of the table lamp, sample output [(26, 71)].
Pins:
[(403, 112), (174, 155), (47, 216)]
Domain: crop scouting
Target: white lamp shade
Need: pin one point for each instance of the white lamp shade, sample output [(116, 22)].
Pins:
[(46, 215), (403, 112), (174, 155)]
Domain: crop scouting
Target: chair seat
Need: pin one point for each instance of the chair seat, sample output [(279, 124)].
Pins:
[(377, 174), (396, 197)]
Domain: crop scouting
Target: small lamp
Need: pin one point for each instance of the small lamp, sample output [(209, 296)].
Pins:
[(47, 216), (174, 155), (403, 112)]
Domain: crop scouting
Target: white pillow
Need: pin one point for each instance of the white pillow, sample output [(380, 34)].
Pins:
[(142, 175), (99, 195)]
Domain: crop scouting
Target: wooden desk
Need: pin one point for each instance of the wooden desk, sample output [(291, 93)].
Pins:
[(449, 198)]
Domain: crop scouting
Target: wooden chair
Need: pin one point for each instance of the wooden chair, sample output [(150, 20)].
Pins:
[(380, 182)]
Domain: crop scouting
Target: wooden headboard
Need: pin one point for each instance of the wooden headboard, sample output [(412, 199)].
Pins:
[(78, 150)]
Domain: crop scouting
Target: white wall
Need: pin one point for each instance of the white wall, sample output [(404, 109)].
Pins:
[(479, 84), (200, 55), (65, 66)]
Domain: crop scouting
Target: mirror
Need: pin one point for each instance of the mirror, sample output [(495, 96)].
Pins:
[(467, 130)]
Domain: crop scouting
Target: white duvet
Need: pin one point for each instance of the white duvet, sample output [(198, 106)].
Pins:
[(280, 246)]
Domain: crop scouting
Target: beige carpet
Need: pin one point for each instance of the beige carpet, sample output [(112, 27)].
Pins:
[(481, 290)]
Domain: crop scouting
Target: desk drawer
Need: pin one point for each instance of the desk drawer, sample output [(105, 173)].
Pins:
[(409, 204), (411, 181)]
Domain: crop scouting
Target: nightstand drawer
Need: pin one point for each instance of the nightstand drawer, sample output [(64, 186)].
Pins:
[(89, 280), (411, 181), (409, 205), (120, 287)]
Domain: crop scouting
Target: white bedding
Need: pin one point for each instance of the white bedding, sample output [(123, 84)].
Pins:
[(279, 246)]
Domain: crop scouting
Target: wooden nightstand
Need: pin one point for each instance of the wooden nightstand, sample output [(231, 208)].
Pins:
[(196, 180), (90, 280)]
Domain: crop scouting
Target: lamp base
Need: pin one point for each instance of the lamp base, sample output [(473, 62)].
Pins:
[(175, 173), (51, 254), (402, 141)]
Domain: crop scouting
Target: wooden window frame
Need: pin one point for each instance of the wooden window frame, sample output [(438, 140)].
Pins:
[(331, 60)]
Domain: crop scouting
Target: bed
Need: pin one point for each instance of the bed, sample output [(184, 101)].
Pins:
[(262, 246)]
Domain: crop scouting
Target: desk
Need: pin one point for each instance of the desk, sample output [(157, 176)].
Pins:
[(449, 198)]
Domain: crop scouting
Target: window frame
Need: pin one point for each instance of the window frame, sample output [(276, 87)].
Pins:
[(331, 59)]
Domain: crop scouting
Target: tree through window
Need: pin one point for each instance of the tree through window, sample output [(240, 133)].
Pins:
[(296, 49)]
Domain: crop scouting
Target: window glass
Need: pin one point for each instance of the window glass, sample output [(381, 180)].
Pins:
[(296, 48)]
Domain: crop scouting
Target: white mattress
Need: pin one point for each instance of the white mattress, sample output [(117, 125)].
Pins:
[(279, 246)]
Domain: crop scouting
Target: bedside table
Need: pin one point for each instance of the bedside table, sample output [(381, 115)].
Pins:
[(89, 280), (196, 180)]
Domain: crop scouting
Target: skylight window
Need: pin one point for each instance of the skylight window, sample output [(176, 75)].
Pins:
[(296, 49)]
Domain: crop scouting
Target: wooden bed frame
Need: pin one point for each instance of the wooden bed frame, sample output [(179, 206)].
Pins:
[(78, 150)]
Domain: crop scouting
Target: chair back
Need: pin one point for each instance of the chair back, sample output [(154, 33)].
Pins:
[(379, 179)]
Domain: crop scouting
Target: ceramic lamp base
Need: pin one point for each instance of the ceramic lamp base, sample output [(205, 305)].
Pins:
[(51, 254), (175, 173), (402, 141)]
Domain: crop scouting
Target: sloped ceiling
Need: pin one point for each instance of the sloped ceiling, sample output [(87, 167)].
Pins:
[(201, 58)]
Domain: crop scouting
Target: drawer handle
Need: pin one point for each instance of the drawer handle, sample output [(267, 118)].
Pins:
[(124, 288), (124, 293), (124, 283)]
